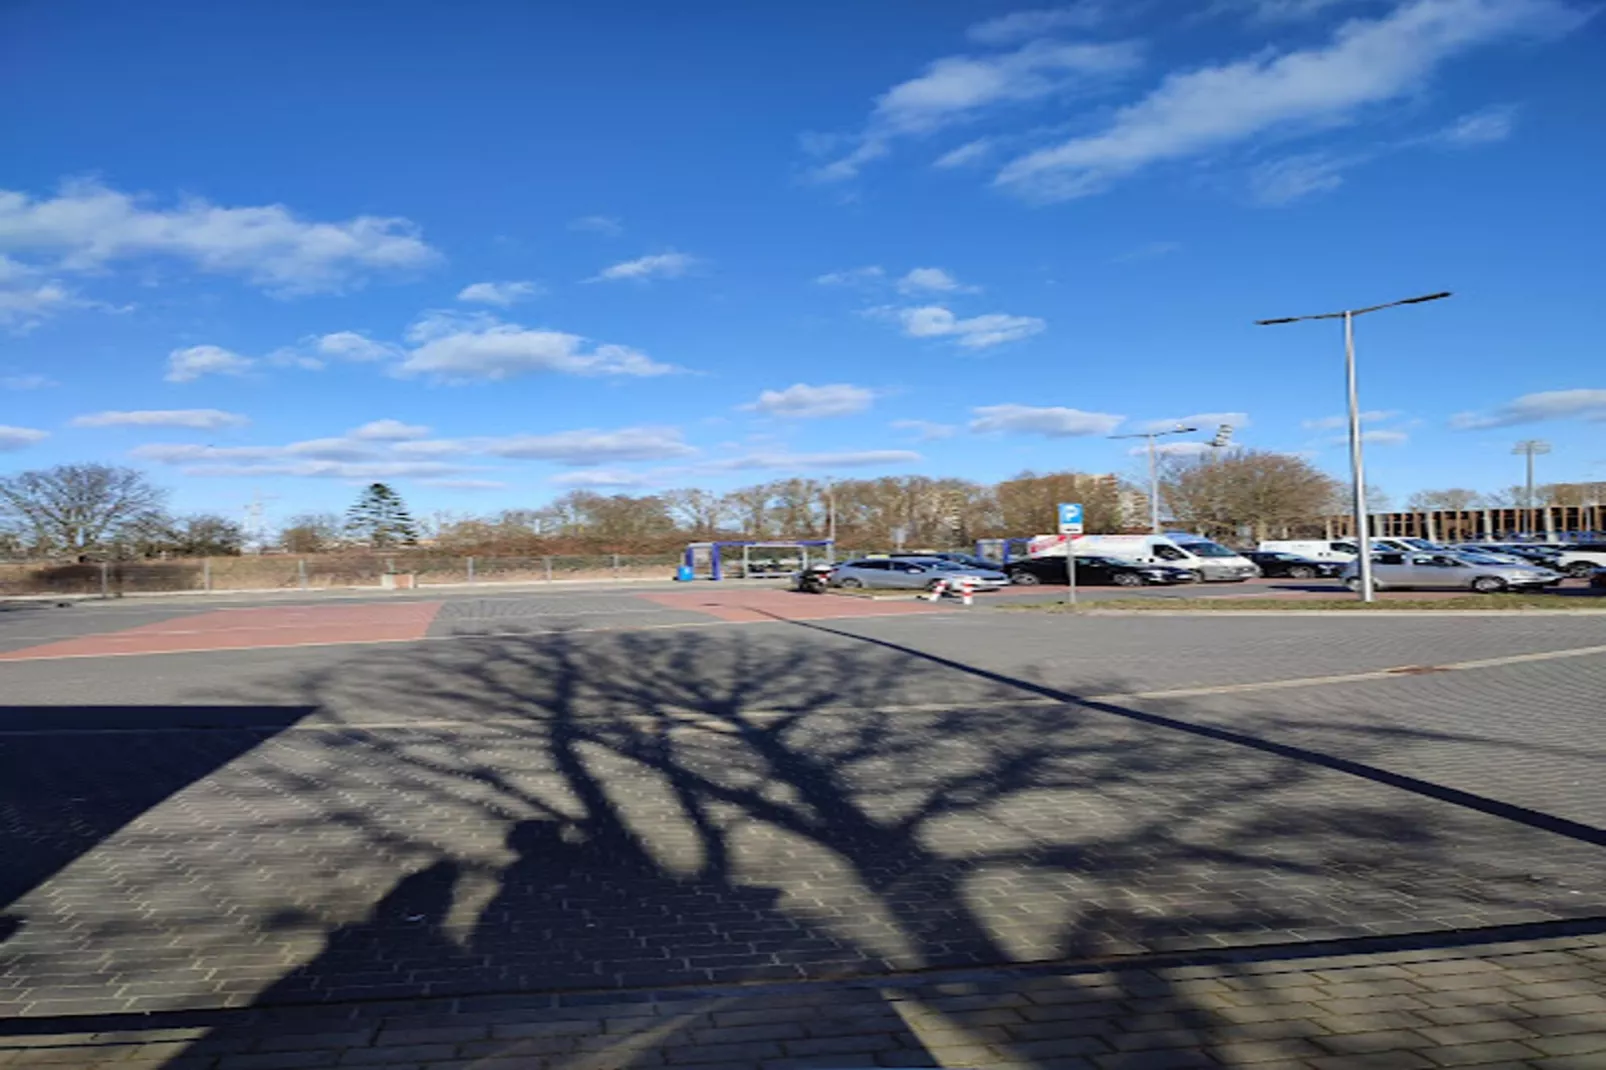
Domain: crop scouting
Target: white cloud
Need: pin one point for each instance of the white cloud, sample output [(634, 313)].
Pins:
[(1278, 10), (802, 401), (183, 452), (16, 438), (333, 449), (592, 447), (1479, 128), (600, 478), (499, 293), (923, 280), (1050, 421), (977, 332), (1204, 421), (187, 365), (330, 470), (656, 266), (323, 458), (27, 305), (958, 88), (1024, 25), (1532, 408), (926, 430), (1383, 437), (607, 225), (26, 382), (1333, 423), (460, 349), (971, 152), (200, 419), (349, 345), (852, 276), (87, 225), (388, 430), (843, 459), (1287, 180), (1171, 449), (1367, 62)]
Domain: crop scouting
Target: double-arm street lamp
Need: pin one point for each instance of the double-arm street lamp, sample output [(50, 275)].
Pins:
[(1357, 467), (1154, 470)]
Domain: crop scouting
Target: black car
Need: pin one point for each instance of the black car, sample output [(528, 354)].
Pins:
[(1095, 570), (1598, 579), (1295, 567)]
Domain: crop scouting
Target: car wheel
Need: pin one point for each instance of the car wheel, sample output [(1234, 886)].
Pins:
[(1301, 572), (1127, 579), (1354, 584), (1580, 569), (1024, 579), (851, 583), (1488, 584)]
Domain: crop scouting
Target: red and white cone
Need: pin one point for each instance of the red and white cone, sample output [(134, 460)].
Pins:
[(938, 589), (967, 591)]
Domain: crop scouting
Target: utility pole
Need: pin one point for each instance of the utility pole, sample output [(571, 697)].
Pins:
[(1154, 470), (1530, 448), (1363, 533)]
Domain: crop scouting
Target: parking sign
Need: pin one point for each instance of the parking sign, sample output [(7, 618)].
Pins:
[(1070, 518)]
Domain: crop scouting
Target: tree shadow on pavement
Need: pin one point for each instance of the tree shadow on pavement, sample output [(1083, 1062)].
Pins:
[(701, 809)]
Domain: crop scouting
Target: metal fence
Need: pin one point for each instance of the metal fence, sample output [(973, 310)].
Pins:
[(281, 572)]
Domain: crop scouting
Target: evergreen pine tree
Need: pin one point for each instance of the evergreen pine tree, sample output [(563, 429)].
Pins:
[(380, 519)]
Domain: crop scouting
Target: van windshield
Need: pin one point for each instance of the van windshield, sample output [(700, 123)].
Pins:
[(1207, 549)]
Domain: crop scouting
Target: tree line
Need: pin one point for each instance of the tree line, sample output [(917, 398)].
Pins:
[(1237, 495)]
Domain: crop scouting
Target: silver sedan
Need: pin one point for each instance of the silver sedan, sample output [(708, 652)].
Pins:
[(912, 573), (1461, 571)]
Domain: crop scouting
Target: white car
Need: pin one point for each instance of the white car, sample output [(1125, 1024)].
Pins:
[(1582, 558), (1464, 571)]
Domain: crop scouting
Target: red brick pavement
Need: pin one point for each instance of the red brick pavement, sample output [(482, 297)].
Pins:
[(244, 629)]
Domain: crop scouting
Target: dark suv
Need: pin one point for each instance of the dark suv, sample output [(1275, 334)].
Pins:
[(1095, 570)]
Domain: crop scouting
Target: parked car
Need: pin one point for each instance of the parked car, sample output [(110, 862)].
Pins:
[(967, 560), (1463, 571), (1537, 553), (1208, 560), (1093, 569), (1294, 566), (912, 573), (1597, 579), (1582, 558)]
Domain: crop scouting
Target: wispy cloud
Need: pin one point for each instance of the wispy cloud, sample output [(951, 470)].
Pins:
[(1479, 128), (858, 276), (1287, 180), (1050, 421), (607, 225), (190, 364), (87, 225), (199, 419), (975, 332), (926, 430), (27, 382), (1367, 62), (1583, 404), (388, 430), (1333, 423), (1025, 25), (1204, 421), (971, 152), (600, 479), (1149, 251), (802, 401), (592, 447), (501, 294), (16, 438), (656, 266), (956, 89)]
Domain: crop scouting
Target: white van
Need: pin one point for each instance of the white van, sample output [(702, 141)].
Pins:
[(1344, 549), (1210, 560)]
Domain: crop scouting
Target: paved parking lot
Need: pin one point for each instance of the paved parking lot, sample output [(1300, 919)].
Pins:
[(707, 800)]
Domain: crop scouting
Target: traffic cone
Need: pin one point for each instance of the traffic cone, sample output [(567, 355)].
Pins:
[(967, 590), (938, 589)]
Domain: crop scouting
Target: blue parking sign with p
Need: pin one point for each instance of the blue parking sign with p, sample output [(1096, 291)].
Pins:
[(1070, 518)]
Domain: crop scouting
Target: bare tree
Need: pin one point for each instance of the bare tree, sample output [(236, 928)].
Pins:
[(79, 508), (1456, 499), (312, 533), (1027, 504), (702, 513), (198, 535), (1254, 488)]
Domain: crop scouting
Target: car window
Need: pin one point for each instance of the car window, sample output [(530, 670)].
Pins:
[(1389, 559), (1344, 547), (871, 564)]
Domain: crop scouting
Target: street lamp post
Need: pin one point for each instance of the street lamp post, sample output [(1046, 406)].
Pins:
[(1531, 447), (1154, 470), (1356, 461)]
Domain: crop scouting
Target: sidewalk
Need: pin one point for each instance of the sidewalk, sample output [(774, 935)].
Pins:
[(1538, 1003)]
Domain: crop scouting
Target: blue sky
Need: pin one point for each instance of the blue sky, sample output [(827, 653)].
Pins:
[(491, 251)]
